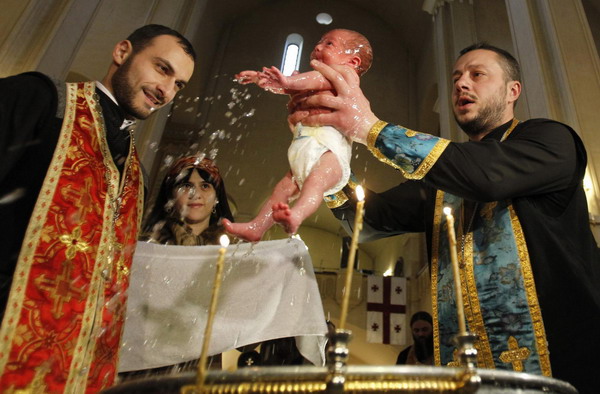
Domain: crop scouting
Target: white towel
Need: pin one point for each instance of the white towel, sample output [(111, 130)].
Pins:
[(268, 291)]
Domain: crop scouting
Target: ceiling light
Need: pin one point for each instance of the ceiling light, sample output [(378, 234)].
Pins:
[(324, 18)]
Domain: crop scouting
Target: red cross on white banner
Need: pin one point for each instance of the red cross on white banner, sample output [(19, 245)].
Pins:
[(386, 310)]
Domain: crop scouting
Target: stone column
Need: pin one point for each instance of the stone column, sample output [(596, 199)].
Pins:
[(561, 74), (454, 29), (42, 35)]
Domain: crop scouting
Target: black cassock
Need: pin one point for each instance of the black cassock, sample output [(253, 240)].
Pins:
[(540, 169)]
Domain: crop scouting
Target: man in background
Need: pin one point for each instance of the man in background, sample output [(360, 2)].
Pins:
[(421, 351)]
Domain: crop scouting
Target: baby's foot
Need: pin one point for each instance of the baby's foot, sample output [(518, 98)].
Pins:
[(247, 231), (282, 214)]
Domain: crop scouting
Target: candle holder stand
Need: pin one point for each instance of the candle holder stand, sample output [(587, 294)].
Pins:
[(337, 358), (467, 354)]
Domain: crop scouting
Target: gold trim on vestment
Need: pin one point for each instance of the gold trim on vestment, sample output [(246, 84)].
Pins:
[(530, 291), (435, 242), (374, 133), (340, 197), (485, 358), (25, 261), (425, 165), (512, 126), (429, 161), (92, 317)]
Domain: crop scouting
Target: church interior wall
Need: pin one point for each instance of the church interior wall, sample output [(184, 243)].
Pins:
[(401, 87), (592, 12), (428, 118), (11, 14)]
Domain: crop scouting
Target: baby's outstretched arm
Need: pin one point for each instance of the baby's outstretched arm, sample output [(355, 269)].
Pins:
[(272, 79), (248, 76), (261, 79)]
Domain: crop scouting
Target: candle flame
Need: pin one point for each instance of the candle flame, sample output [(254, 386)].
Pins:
[(360, 194), (447, 211), (224, 240)]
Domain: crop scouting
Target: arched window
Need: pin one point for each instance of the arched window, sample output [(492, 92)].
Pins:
[(291, 54)]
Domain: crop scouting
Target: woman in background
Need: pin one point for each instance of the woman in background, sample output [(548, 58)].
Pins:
[(189, 206)]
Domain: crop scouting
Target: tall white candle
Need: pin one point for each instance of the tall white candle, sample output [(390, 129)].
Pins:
[(358, 219), (224, 240), (460, 309)]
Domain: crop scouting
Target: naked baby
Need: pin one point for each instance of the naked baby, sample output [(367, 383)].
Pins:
[(319, 157)]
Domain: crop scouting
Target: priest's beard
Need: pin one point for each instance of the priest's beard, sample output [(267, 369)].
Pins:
[(124, 92), (423, 347), (489, 117)]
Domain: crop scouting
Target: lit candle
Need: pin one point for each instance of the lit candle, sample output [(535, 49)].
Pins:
[(358, 219), (224, 240), (460, 309)]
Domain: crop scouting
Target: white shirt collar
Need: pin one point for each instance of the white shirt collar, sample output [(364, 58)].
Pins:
[(126, 122), (106, 91)]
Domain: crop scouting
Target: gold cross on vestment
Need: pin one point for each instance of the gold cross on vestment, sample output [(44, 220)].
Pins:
[(515, 355), (122, 270), (82, 198), (74, 243), (60, 289), (455, 361)]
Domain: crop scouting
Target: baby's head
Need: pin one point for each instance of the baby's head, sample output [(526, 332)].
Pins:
[(341, 46)]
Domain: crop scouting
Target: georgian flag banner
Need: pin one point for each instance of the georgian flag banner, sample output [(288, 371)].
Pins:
[(386, 310)]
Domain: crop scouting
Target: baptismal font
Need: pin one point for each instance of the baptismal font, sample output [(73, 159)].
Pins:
[(339, 377)]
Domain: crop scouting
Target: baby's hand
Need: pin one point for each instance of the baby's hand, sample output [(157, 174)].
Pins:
[(246, 77), (273, 80)]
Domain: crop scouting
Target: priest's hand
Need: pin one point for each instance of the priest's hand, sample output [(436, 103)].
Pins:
[(350, 110)]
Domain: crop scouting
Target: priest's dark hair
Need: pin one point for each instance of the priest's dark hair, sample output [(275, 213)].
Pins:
[(142, 37), (510, 65)]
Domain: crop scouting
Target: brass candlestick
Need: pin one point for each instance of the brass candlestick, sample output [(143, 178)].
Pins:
[(465, 341), (190, 389), (360, 195)]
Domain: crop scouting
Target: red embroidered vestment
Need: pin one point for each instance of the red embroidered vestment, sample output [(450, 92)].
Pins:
[(64, 316)]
